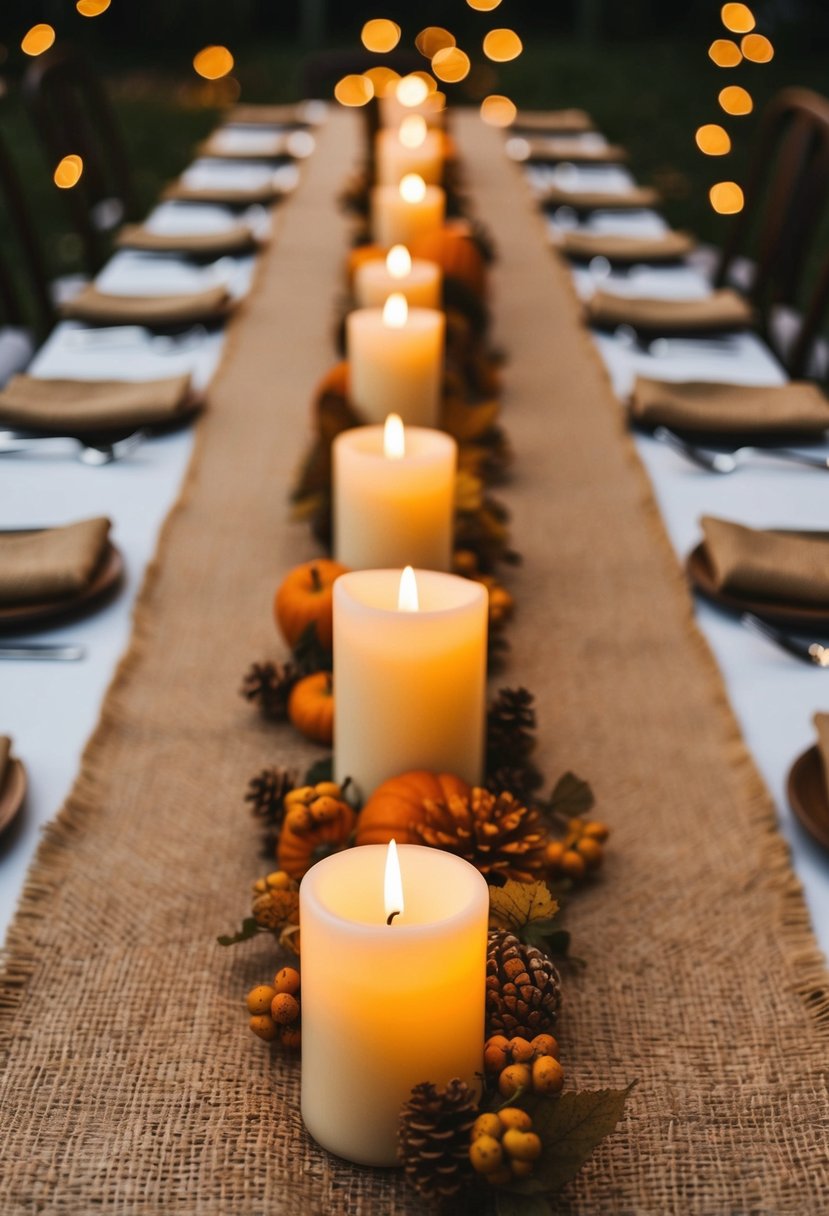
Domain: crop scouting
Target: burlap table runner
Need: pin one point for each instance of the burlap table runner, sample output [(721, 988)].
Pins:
[(132, 1083)]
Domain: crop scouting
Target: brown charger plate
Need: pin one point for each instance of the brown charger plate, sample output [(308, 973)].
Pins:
[(806, 790), (12, 792), (104, 583), (777, 612)]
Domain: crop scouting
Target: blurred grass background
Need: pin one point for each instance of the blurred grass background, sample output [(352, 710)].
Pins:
[(649, 95)]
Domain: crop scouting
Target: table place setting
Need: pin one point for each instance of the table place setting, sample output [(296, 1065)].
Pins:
[(434, 558)]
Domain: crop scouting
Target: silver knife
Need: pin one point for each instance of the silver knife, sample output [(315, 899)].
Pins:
[(43, 651)]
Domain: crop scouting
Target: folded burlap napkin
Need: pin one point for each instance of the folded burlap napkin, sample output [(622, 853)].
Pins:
[(87, 406), (799, 407), (556, 122), (237, 239), (268, 116), (769, 565), (5, 751), (723, 309), (596, 200), (556, 150), (99, 307), (52, 564), (215, 145), (666, 248), (230, 196)]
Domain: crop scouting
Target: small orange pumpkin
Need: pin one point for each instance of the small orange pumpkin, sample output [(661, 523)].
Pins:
[(454, 248), (334, 382), (397, 804), (311, 707), (311, 832), (305, 597), (360, 254)]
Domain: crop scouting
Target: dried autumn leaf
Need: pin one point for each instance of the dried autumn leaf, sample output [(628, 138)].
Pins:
[(570, 1129), (518, 905), (571, 796)]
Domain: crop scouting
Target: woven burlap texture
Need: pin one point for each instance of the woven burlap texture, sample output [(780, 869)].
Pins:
[(132, 1083)]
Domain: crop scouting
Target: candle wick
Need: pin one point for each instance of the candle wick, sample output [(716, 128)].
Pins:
[(391, 917)]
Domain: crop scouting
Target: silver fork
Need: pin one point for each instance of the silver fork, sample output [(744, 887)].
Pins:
[(96, 454), (661, 348), (729, 462), (808, 652)]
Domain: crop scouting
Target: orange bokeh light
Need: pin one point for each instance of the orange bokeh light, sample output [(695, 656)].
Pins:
[(37, 40), (380, 35), (354, 90), (68, 172), (433, 39), (92, 8), (735, 100), (726, 198), (383, 79), (757, 48), (498, 110), (451, 64), (725, 53), (713, 140), (737, 17), (483, 6), (213, 62), (502, 45)]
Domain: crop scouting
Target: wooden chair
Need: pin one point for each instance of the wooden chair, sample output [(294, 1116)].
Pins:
[(27, 301), (786, 198), (73, 115)]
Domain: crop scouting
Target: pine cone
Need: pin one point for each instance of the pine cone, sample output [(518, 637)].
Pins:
[(510, 741), (269, 685), (523, 988), (433, 1138), (499, 836), (266, 794)]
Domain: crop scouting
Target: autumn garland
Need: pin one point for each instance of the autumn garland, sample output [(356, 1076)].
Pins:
[(523, 1137)]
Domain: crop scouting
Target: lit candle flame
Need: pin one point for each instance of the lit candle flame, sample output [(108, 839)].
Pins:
[(413, 188), (396, 311), (407, 600), (411, 90), (392, 884), (412, 131), (394, 438), (399, 262)]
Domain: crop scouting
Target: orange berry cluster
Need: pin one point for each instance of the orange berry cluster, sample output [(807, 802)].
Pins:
[(504, 1148), (274, 1009), (579, 852), (524, 1064)]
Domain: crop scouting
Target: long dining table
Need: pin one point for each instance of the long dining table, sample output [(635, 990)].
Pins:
[(704, 978)]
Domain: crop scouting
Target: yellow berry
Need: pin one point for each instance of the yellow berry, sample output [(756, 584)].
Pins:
[(554, 853), (264, 1026), (487, 1124), (521, 1050), (300, 797), (260, 997), (547, 1076), (284, 1008), (513, 1078), (260, 887), (521, 1146), (325, 808), (573, 864), (290, 1037), (328, 789), (599, 831), (591, 851), (485, 1154), (545, 1045), (496, 1053), (286, 980), (521, 1169), (279, 881), (513, 1116), (499, 1177)]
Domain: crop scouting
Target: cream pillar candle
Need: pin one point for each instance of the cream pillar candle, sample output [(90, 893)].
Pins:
[(410, 149), (409, 674), (400, 214), (432, 106), (395, 358), (393, 491), (419, 281), (366, 986)]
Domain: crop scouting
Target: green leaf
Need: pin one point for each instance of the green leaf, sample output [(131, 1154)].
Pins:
[(548, 937), (519, 906), (250, 928), (320, 770), (571, 796), (309, 654), (508, 1203), (570, 1127)]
